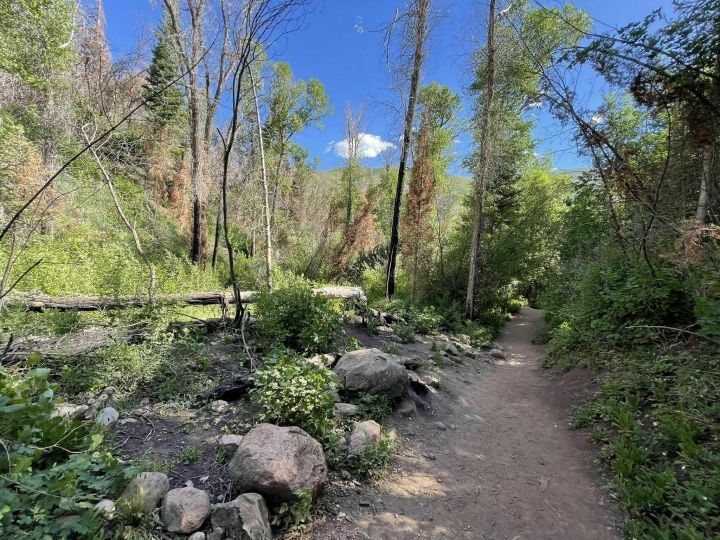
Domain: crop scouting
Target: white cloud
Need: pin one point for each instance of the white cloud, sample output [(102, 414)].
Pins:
[(359, 25), (597, 118), (369, 146)]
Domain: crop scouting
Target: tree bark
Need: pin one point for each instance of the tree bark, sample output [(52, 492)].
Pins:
[(267, 225), (483, 166), (97, 303), (422, 7), (705, 182)]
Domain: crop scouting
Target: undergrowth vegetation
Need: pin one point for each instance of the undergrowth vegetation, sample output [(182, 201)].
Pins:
[(52, 470), (656, 414)]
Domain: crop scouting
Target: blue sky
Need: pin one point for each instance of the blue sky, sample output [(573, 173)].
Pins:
[(339, 44)]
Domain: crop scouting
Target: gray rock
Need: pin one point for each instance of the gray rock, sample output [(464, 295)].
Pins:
[(230, 442), (217, 534), (364, 434), (335, 397), (145, 491), (463, 338), (184, 510), (451, 348), (371, 371), (107, 416), (106, 506), (278, 462), (68, 410), (197, 536), (498, 354), (254, 516), (345, 410), (220, 406)]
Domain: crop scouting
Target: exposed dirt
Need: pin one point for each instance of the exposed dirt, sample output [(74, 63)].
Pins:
[(501, 463)]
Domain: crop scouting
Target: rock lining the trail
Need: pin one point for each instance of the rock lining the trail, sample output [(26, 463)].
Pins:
[(372, 371), (278, 463)]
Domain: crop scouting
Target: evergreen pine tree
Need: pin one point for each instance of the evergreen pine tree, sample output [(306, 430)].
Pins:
[(166, 107)]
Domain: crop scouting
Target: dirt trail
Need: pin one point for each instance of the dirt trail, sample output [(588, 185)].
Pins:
[(494, 459)]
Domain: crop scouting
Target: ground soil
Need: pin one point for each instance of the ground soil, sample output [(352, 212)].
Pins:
[(493, 458)]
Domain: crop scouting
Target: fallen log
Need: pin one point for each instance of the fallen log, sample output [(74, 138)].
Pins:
[(229, 391), (98, 303)]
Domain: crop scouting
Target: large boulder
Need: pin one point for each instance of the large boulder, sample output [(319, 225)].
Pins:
[(278, 462), (145, 491), (246, 517), (185, 509), (371, 371)]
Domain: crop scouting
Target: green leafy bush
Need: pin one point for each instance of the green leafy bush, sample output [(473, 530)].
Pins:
[(406, 332), (295, 393), (296, 318), (292, 515), (373, 461), (52, 471), (373, 407)]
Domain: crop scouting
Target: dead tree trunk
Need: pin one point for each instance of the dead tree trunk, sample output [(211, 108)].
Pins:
[(422, 7), (483, 166)]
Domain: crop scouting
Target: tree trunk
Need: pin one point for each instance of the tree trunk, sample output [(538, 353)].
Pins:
[(97, 303), (483, 166), (420, 36), (266, 195), (705, 182), (216, 241)]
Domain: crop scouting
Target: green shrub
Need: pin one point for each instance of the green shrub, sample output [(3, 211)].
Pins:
[(657, 413), (406, 332), (292, 515), (295, 393), (373, 461), (52, 471), (296, 318), (514, 305), (373, 407)]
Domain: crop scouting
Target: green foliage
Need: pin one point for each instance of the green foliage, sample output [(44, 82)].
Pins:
[(295, 318), (166, 105), (52, 470), (293, 392), (189, 454), (372, 407), (373, 460), (292, 515), (163, 367), (406, 332), (36, 38)]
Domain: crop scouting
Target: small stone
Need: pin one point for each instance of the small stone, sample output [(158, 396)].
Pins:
[(230, 442), (197, 536), (439, 425), (498, 354), (431, 457), (68, 410), (145, 491), (220, 406), (91, 401), (106, 506), (217, 534), (364, 434), (107, 416), (128, 421), (345, 410), (246, 517), (184, 510), (365, 503), (145, 401)]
